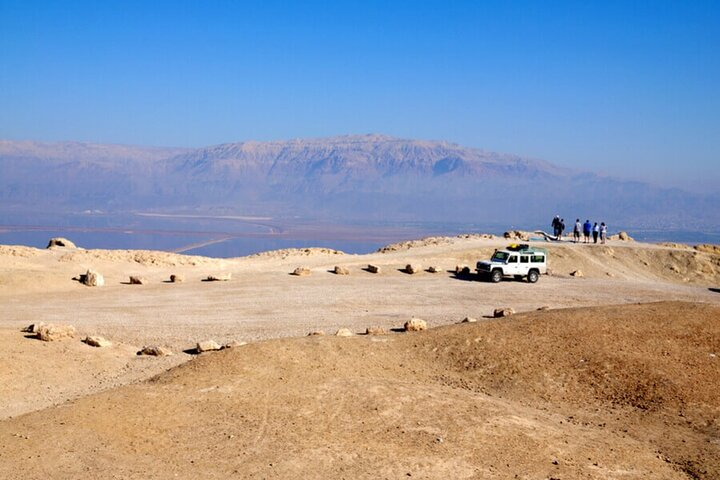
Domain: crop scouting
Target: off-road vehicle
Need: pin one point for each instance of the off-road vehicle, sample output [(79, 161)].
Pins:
[(517, 260)]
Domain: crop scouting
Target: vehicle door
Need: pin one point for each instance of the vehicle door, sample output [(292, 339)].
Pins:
[(524, 265), (512, 265)]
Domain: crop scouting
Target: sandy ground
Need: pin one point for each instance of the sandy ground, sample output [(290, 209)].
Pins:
[(372, 407)]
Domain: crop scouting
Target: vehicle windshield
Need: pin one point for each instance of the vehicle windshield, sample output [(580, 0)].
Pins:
[(500, 256)]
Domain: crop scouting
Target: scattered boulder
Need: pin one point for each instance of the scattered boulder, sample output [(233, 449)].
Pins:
[(138, 280), (207, 346), (52, 333), (97, 341), (462, 270), (577, 273), (316, 333), (33, 328), (175, 278), (503, 312), (233, 344), (301, 271), (543, 308), (622, 236), (154, 351), (415, 325), (373, 269), (344, 332), (92, 279), (341, 270), (517, 235), (375, 331), (434, 269), (224, 277), (412, 269), (60, 242), (469, 320)]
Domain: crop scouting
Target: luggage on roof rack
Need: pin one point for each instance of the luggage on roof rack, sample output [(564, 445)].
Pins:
[(516, 247)]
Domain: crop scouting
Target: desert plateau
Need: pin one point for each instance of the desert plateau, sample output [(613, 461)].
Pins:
[(608, 368)]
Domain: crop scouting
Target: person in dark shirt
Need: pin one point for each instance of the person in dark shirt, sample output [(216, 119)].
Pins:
[(587, 228)]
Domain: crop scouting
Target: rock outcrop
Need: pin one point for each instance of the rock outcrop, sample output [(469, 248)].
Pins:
[(60, 242)]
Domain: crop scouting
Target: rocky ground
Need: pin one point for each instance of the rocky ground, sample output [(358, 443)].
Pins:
[(616, 378)]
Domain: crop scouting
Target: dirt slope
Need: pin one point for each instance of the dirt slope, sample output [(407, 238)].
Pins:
[(608, 392)]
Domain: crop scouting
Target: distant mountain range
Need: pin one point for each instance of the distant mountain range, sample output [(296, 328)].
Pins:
[(348, 178)]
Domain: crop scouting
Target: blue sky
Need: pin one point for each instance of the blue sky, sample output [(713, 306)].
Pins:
[(625, 88)]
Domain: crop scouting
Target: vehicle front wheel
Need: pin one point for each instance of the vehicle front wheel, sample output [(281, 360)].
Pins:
[(496, 276), (533, 276)]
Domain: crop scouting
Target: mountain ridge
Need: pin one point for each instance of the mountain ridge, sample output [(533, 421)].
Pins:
[(350, 177)]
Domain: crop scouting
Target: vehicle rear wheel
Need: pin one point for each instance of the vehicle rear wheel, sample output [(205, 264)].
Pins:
[(496, 276), (533, 276)]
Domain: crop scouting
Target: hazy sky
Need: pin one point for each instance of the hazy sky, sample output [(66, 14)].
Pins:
[(626, 88)]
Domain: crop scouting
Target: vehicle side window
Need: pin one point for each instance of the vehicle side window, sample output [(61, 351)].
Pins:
[(524, 259), (537, 259), (513, 259)]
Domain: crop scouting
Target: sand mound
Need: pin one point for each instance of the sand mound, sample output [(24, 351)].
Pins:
[(583, 393), (424, 242)]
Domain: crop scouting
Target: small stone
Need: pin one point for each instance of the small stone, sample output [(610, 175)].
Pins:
[(316, 333), (233, 344), (224, 277), (434, 269), (469, 320), (415, 325), (344, 332), (175, 278), (577, 273), (503, 312), (341, 270), (207, 346), (412, 269), (543, 308), (99, 342), (138, 280), (375, 331), (51, 333), (155, 351), (301, 272), (373, 269)]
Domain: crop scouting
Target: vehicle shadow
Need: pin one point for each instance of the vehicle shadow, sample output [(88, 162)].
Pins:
[(464, 276)]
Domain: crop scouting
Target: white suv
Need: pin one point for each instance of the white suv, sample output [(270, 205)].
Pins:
[(517, 260)]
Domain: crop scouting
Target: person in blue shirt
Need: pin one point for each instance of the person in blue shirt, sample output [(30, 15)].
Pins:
[(587, 228)]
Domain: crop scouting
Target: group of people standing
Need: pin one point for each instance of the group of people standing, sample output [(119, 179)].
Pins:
[(587, 228)]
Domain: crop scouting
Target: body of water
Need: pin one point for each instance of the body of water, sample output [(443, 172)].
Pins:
[(226, 237)]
